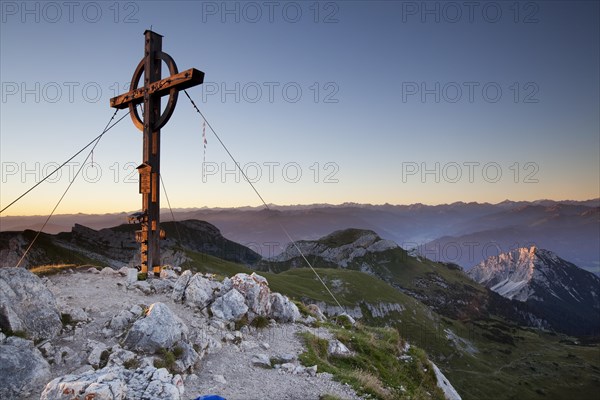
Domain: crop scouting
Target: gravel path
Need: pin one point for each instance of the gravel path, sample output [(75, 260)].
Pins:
[(227, 371), (244, 381)]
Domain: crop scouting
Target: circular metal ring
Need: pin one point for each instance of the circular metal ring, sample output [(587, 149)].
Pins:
[(173, 94)]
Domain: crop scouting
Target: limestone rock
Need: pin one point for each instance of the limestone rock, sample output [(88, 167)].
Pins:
[(188, 359), (27, 305), (95, 354), (22, 368), (316, 311), (159, 329), (337, 348), (116, 383), (282, 309), (181, 285), (261, 360), (230, 307), (120, 321), (200, 291), (255, 290)]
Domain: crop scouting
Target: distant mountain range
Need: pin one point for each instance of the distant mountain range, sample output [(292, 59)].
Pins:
[(461, 233)]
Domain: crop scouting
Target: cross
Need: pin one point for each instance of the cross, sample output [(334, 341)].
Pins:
[(150, 95)]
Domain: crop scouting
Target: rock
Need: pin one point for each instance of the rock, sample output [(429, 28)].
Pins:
[(229, 307), (265, 346), (159, 329), (261, 360), (120, 357), (193, 380), (255, 290), (168, 274), (381, 310), (22, 368), (443, 383), (76, 314), (142, 286), (350, 319), (27, 305), (66, 355), (95, 356), (337, 348), (188, 359), (282, 309), (116, 383), (219, 379), (109, 271), (136, 310), (123, 271), (161, 285), (316, 312), (93, 271), (312, 371), (288, 367), (132, 276), (181, 285), (2, 337), (299, 370), (200, 291), (284, 358), (122, 320)]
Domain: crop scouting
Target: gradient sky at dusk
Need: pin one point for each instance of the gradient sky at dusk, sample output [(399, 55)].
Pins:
[(362, 129)]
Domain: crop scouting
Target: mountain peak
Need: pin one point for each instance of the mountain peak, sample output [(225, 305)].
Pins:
[(533, 273), (339, 247)]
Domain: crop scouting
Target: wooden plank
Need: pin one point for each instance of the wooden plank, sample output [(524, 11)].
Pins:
[(180, 81)]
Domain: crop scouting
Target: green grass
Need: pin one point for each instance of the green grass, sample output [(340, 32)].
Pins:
[(201, 262), (374, 369), (55, 254), (53, 269)]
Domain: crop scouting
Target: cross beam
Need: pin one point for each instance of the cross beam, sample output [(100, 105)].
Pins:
[(150, 95)]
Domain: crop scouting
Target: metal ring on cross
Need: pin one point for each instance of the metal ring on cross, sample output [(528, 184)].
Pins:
[(173, 93)]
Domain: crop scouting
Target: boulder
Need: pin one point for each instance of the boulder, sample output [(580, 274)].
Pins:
[(188, 358), (181, 285), (261, 360), (159, 329), (22, 368), (116, 383), (316, 311), (120, 321), (337, 348), (255, 290), (76, 314), (95, 353), (200, 291), (27, 305), (282, 309), (230, 307)]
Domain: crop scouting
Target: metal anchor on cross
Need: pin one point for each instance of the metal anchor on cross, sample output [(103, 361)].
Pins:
[(150, 94)]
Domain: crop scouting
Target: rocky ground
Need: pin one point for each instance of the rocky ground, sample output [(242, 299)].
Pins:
[(114, 329)]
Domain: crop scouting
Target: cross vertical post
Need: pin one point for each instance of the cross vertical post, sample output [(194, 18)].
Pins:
[(150, 96), (151, 199)]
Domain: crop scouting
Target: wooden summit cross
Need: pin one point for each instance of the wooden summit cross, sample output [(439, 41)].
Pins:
[(150, 95)]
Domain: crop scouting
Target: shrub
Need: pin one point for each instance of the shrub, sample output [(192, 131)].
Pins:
[(66, 319), (260, 322)]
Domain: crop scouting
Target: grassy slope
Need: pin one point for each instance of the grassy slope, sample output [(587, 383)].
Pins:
[(53, 253)]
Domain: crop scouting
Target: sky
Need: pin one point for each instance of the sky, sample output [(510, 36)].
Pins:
[(395, 102)]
